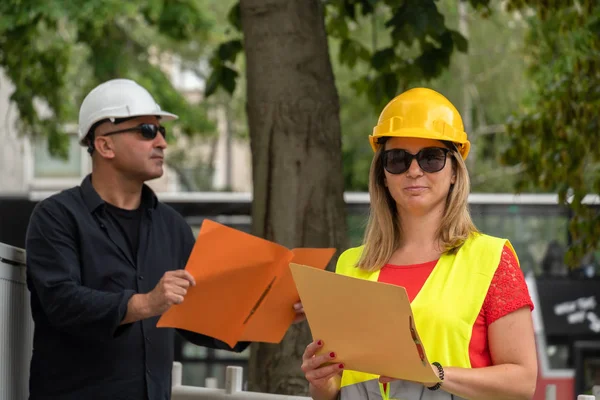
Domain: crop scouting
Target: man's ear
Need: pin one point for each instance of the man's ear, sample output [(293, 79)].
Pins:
[(105, 147)]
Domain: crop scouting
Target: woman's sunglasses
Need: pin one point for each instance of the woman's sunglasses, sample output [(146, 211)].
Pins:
[(148, 131), (430, 159)]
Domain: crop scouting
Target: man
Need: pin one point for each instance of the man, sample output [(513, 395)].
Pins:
[(105, 259)]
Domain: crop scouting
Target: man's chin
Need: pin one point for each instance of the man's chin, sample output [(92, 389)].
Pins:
[(154, 175)]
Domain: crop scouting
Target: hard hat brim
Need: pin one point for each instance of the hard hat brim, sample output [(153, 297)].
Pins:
[(422, 134), (162, 115), (167, 116)]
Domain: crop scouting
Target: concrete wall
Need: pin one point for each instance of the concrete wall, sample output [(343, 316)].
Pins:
[(12, 146)]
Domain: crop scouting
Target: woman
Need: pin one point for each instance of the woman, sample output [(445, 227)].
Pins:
[(471, 305)]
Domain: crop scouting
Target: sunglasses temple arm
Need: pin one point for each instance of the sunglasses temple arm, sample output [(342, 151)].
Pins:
[(120, 131)]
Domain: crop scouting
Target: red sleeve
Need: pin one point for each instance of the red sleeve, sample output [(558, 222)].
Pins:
[(508, 291)]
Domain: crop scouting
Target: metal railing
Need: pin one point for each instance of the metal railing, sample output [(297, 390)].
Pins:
[(233, 388), (16, 325)]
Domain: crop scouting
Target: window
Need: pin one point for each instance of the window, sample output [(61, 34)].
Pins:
[(49, 173), (47, 166)]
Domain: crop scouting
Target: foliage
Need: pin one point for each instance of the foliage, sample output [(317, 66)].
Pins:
[(419, 45), (380, 48), (554, 136), (193, 158), (55, 51), (224, 72), (363, 33), (495, 82)]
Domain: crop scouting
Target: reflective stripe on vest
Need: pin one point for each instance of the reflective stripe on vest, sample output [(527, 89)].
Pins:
[(445, 310)]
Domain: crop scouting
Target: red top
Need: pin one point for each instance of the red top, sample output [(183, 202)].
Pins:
[(507, 293)]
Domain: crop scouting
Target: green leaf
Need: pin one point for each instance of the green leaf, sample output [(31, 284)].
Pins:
[(228, 51), (338, 27), (181, 20), (368, 6), (58, 141), (235, 17), (213, 81), (361, 85), (415, 20), (460, 41), (390, 82), (228, 79), (347, 53), (349, 9), (434, 59), (351, 52), (383, 59)]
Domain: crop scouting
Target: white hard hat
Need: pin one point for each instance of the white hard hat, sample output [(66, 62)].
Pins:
[(117, 98)]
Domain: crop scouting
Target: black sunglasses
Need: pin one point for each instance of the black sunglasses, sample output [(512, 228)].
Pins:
[(148, 131), (430, 159)]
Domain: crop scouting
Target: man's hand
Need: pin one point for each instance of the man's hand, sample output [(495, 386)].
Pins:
[(171, 289), (300, 316)]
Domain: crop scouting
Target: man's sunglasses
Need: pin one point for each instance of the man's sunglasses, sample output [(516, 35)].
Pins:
[(430, 159), (148, 131)]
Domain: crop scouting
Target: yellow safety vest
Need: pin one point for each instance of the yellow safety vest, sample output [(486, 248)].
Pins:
[(445, 309)]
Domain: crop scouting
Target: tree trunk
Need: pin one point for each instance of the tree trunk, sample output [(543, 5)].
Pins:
[(293, 116), (467, 102)]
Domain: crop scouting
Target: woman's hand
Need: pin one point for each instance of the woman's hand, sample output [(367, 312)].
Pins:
[(299, 310), (320, 371)]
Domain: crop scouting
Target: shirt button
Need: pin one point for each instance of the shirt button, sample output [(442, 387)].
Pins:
[(148, 370), (141, 277), (148, 339)]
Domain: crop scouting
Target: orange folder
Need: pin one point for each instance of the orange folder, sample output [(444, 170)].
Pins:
[(244, 287)]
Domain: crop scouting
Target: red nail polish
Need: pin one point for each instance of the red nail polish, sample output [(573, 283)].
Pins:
[(341, 366), (332, 354), (319, 343)]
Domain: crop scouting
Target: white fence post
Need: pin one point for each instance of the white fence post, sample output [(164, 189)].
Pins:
[(176, 374), (211, 383), (233, 388), (586, 397), (550, 392), (233, 379)]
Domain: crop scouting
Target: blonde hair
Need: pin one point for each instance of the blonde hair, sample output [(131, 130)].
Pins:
[(383, 231)]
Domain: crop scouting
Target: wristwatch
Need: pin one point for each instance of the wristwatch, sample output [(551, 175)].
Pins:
[(440, 374)]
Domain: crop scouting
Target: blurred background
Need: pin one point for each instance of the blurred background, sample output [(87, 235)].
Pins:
[(525, 76)]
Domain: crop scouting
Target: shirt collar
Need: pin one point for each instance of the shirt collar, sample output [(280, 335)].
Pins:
[(93, 200)]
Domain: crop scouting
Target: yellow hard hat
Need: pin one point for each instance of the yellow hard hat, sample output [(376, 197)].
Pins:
[(421, 113)]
